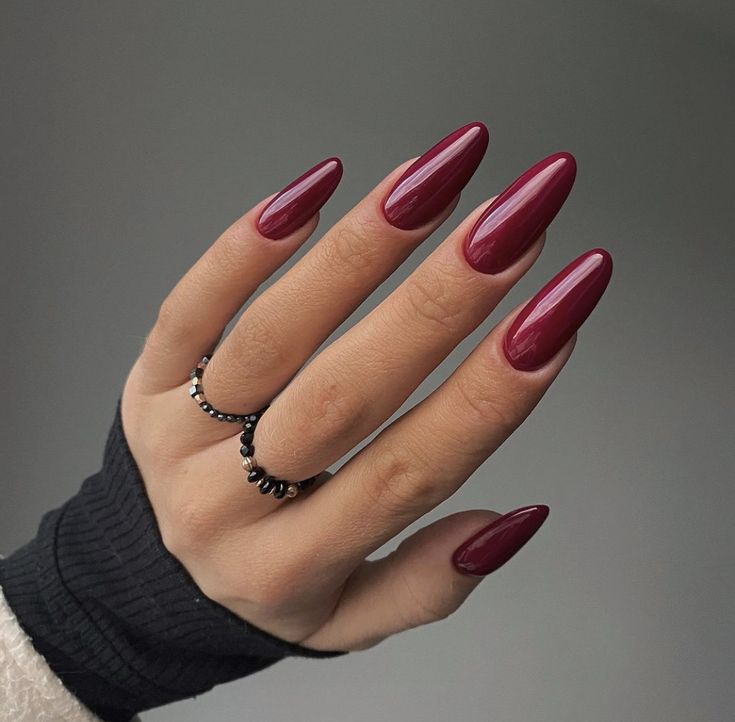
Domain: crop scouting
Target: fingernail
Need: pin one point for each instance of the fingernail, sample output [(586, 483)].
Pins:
[(434, 179), (492, 546), (300, 200), (520, 214), (555, 313)]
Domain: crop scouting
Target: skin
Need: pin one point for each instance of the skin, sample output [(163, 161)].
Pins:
[(297, 568)]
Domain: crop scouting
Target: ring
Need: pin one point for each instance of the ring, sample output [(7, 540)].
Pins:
[(196, 391), (257, 475), (266, 483)]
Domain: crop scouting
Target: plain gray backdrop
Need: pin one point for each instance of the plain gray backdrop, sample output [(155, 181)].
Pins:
[(134, 132)]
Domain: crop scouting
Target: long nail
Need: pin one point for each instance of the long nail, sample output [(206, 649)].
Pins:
[(434, 179), (496, 543), (520, 214), (555, 313), (300, 200)]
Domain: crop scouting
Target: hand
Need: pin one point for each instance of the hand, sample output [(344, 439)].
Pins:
[(297, 567)]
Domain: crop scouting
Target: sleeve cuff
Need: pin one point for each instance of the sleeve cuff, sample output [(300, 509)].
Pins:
[(115, 615)]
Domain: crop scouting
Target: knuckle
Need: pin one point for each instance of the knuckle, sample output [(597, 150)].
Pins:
[(396, 482), (487, 408), (168, 323), (336, 407), (351, 247), (159, 444), (187, 526), (264, 343), (417, 608), (228, 251), (434, 301)]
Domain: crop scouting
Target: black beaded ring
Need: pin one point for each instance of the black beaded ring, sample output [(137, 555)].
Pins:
[(196, 391), (266, 484), (257, 475)]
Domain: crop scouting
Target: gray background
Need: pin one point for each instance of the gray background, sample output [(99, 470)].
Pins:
[(134, 132)]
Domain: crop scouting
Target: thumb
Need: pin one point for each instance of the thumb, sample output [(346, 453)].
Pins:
[(426, 578)]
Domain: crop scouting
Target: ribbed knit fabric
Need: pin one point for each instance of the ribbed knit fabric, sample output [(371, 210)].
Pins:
[(117, 618)]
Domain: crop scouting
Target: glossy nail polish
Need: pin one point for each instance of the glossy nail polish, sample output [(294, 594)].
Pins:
[(555, 313), (300, 200), (434, 179), (520, 214), (492, 546)]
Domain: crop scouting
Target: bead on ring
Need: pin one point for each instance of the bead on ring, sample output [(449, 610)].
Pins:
[(266, 483)]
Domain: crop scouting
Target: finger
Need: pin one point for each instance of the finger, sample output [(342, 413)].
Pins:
[(426, 578), (195, 313), (359, 381), (283, 327), (426, 455)]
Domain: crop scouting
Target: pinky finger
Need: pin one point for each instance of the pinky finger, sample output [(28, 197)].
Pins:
[(194, 315), (426, 578)]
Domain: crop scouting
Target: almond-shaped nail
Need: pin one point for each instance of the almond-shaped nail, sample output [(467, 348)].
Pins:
[(520, 214), (433, 180), (300, 200), (495, 544), (555, 313)]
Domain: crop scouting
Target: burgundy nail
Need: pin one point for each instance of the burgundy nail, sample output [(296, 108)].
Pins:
[(555, 313), (434, 179), (520, 214), (493, 545), (300, 200)]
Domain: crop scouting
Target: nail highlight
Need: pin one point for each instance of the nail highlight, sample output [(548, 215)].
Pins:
[(555, 313), (496, 543), (520, 214), (300, 200), (433, 180)]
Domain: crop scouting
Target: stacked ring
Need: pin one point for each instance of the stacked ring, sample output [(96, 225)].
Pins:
[(257, 475), (266, 483), (196, 391)]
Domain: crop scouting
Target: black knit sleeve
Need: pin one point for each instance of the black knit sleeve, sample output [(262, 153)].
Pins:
[(115, 615)]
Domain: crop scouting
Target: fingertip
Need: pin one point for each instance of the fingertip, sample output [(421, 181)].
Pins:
[(499, 541)]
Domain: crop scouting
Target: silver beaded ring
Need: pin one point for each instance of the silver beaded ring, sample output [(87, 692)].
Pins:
[(265, 483)]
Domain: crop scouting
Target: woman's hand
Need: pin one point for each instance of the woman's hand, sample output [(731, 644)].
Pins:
[(296, 567)]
